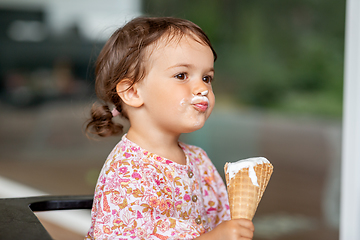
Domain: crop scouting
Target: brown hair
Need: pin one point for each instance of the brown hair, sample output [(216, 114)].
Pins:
[(122, 57)]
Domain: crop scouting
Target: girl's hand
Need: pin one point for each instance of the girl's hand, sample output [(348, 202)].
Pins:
[(235, 229)]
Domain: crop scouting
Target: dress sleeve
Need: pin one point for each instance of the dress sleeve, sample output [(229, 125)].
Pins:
[(131, 202)]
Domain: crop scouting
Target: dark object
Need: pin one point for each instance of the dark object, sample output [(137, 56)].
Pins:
[(18, 221)]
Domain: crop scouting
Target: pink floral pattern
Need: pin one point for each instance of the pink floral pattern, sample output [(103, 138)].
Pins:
[(140, 195)]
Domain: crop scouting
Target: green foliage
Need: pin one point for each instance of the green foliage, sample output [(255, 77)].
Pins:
[(275, 54)]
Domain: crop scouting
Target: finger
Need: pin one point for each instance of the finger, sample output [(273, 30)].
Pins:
[(246, 223), (245, 233)]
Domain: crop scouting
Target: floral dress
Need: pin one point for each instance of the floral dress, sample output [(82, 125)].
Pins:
[(140, 195)]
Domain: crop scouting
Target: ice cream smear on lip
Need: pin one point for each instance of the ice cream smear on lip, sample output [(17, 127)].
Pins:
[(196, 99), (235, 167), (199, 99)]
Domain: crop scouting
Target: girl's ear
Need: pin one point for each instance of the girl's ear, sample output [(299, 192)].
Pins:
[(128, 93)]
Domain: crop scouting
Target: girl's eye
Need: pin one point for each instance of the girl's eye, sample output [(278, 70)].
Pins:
[(208, 79), (181, 76)]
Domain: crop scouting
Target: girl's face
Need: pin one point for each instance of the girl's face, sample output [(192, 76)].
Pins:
[(177, 91)]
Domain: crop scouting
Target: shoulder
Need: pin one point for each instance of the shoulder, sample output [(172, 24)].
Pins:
[(123, 159)]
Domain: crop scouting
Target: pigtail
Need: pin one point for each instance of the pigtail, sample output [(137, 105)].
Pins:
[(101, 122)]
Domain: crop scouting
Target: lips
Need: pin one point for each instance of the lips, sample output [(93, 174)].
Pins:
[(202, 106), (201, 103)]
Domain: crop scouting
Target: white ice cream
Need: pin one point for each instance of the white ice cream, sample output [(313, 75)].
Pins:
[(202, 98), (233, 168), (198, 99)]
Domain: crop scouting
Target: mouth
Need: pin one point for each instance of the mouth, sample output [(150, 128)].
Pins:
[(200, 103), (201, 106)]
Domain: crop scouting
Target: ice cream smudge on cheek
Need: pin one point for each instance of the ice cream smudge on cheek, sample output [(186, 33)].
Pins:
[(233, 168), (182, 102), (182, 105)]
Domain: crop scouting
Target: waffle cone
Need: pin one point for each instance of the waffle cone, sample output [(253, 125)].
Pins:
[(244, 196)]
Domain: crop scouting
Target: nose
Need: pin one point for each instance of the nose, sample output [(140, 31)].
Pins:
[(200, 89), (201, 92)]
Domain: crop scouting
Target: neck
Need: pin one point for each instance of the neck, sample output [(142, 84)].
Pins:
[(164, 145)]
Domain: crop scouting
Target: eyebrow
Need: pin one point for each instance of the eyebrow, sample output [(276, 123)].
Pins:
[(188, 66)]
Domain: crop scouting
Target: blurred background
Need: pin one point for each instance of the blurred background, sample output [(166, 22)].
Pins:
[(278, 86)]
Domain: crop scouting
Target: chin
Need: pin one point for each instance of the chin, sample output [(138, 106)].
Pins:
[(194, 128)]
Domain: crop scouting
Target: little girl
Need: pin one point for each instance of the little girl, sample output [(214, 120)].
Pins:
[(157, 73)]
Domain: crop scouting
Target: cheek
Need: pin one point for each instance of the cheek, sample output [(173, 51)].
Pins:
[(170, 102), (182, 104), (212, 100), (179, 98)]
